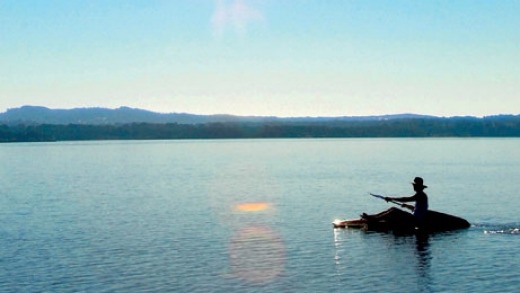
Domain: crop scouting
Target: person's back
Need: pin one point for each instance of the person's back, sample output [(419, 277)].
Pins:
[(420, 210), (421, 205)]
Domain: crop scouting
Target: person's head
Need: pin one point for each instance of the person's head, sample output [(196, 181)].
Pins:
[(418, 184)]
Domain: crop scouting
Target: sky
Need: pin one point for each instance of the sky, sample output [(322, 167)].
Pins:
[(263, 57)]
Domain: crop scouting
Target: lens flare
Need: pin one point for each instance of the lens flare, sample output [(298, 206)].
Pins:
[(257, 255), (252, 207)]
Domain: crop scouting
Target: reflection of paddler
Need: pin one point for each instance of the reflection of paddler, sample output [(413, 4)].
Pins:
[(256, 255)]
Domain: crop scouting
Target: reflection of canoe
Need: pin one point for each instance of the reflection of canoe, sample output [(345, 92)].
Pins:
[(435, 222)]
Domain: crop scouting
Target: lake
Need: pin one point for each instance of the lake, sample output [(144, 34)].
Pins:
[(254, 215)]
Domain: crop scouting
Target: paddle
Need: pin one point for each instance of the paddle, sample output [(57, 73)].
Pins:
[(393, 201)]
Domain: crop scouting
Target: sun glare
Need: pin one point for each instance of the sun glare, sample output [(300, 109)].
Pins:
[(252, 207)]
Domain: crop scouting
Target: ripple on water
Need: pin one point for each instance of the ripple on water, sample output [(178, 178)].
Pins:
[(504, 229)]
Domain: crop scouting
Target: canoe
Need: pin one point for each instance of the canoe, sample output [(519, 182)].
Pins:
[(435, 222), (357, 223)]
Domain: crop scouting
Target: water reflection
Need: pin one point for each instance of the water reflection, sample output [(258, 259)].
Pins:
[(410, 255), (423, 256), (337, 244), (342, 252)]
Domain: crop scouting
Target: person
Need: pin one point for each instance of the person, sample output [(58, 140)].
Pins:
[(419, 211)]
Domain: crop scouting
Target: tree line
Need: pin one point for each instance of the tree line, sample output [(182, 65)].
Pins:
[(500, 126)]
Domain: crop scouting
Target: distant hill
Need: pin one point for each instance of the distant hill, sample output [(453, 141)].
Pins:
[(125, 115), (31, 124), (102, 116)]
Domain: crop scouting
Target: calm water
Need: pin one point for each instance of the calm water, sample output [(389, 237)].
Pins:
[(253, 216)]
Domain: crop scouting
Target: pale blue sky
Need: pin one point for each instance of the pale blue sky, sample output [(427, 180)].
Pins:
[(263, 57)]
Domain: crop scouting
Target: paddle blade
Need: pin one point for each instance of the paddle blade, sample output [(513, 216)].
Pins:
[(377, 195)]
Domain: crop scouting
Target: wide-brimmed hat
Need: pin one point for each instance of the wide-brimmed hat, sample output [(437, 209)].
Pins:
[(418, 181)]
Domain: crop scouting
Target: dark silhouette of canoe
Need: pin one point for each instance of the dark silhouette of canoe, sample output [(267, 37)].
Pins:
[(435, 222)]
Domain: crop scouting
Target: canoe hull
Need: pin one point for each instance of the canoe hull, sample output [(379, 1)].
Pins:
[(435, 222), (440, 222), (356, 224)]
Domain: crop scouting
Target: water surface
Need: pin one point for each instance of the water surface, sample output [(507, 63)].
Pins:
[(253, 216)]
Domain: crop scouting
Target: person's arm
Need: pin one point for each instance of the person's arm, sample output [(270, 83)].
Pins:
[(402, 199), (410, 207)]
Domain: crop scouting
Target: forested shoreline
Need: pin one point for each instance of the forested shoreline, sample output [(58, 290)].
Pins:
[(496, 126)]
